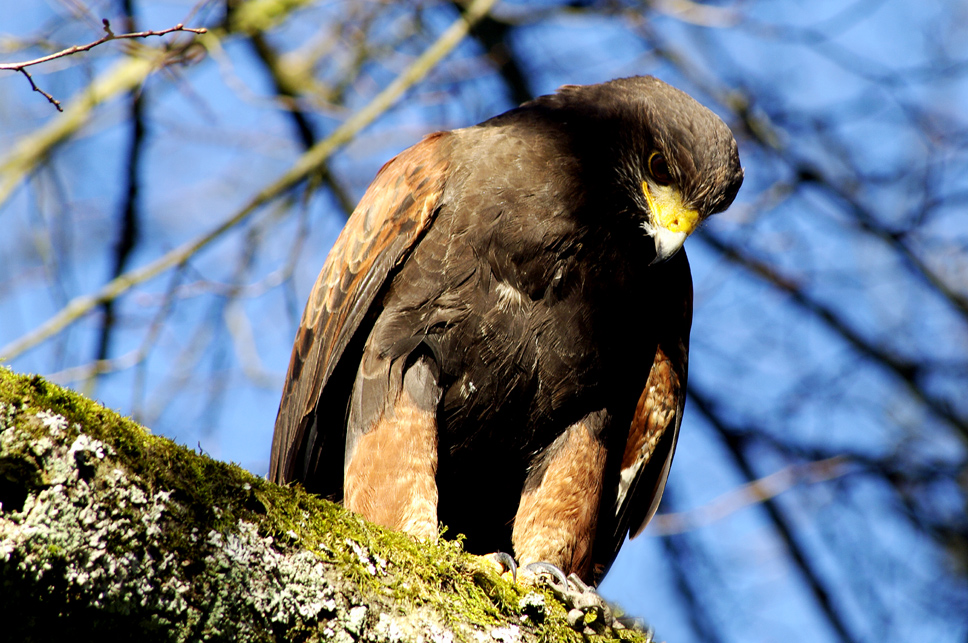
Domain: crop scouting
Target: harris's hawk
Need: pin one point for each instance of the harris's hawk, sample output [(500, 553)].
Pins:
[(498, 340)]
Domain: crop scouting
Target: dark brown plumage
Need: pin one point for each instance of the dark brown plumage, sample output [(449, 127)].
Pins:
[(499, 338)]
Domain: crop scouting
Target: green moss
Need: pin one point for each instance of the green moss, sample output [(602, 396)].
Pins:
[(107, 528)]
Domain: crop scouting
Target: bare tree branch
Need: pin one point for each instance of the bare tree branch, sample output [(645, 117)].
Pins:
[(129, 219), (50, 99), (307, 164), (126, 75), (70, 51), (30, 151), (301, 122), (751, 493)]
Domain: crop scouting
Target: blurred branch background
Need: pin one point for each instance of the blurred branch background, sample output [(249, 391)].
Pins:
[(159, 237)]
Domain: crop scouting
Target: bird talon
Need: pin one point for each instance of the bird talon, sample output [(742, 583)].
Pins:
[(579, 584), (506, 563), (539, 568), (500, 562), (580, 599)]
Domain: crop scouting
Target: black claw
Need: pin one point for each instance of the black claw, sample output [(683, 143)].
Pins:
[(507, 563), (551, 570)]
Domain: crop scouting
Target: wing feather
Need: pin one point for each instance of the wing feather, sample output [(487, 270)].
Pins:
[(654, 430), (393, 214)]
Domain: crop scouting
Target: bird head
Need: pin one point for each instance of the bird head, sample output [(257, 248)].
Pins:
[(682, 162), (677, 162)]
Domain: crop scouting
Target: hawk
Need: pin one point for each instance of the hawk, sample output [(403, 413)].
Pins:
[(498, 340)]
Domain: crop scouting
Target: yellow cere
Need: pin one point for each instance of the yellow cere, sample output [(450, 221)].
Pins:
[(667, 209)]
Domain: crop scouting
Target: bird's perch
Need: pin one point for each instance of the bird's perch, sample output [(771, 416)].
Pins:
[(106, 529)]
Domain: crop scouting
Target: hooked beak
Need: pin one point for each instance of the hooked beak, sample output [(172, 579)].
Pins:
[(670, 222), (667, 243)]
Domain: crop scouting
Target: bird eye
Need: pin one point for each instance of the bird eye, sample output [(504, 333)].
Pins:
[(659, 169)]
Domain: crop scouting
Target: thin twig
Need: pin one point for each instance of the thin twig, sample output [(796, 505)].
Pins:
[(19, 66), (50, 99), (109, 35), (305, 166)]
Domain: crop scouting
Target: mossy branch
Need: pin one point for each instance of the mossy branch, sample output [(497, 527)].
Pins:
[(108, 530)]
